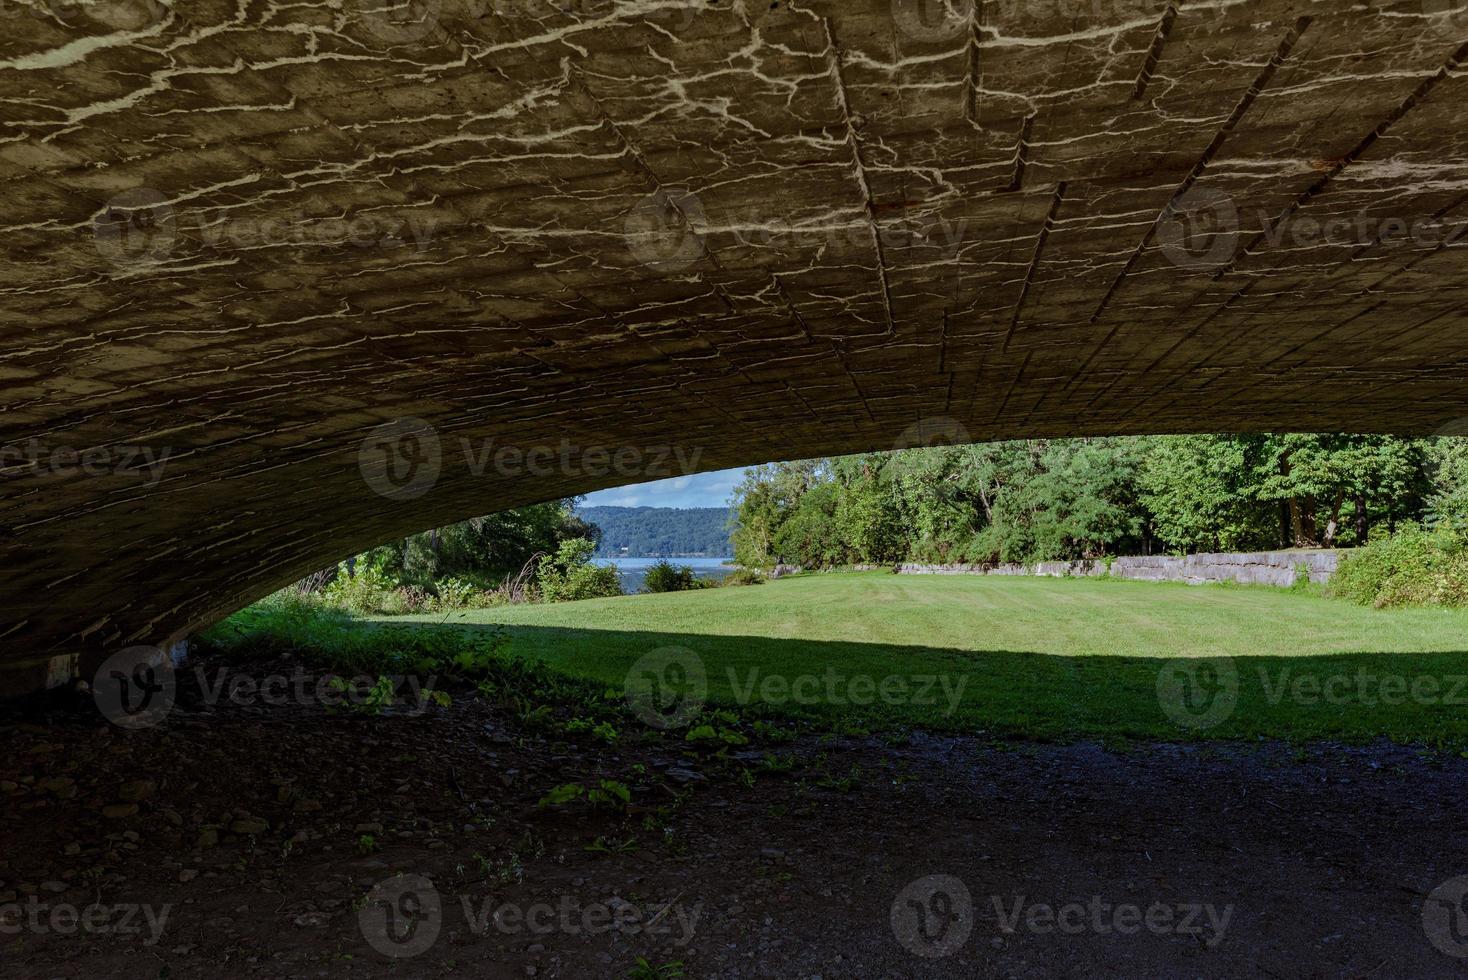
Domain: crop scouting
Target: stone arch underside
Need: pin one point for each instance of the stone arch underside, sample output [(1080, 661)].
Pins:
[(241, 237)]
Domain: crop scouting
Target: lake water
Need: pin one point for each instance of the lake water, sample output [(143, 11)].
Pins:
[(633, 570)]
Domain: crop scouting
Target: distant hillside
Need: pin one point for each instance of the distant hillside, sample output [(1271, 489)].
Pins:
[(661, 532)]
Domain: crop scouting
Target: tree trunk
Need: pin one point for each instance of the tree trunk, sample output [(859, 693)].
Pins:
[(1302, 522), (1334, 523), (1361, 523)]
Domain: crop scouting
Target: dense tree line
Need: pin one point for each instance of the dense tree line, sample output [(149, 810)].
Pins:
[(661, 532), (1038, 500), (481, 549)]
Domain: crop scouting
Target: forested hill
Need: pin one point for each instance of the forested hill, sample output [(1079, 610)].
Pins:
[(661, 532)]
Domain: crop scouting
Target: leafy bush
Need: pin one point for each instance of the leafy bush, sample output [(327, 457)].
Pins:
[(569, 574), (370, 590), (667, 577), (743, 576), (1414, 567), (458, 593)]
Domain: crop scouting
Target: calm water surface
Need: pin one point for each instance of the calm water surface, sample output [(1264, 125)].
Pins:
[(632, 570)]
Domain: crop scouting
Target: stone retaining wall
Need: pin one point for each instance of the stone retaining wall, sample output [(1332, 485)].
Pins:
[(1252, 568)]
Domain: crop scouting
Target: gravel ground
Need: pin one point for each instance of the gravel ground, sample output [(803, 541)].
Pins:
[(281, 840)]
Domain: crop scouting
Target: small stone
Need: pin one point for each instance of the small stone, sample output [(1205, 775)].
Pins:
[(369, 828), (7, 896), (72, 849), (307, 806), (208, 837), (137, 790), (119, 811), (188, 874), (6, 786), (249, 825), (53, 886), (63, 787)]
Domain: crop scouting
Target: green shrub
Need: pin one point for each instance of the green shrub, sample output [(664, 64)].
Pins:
[(1414, 567), (458, 593), (569, 574), (743, 576), (667, 577), (368, 591)]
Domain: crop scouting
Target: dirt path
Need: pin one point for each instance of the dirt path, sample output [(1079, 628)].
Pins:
[(258, 840)]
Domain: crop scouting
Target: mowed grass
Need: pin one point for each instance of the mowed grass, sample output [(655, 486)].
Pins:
[(1030, 657)]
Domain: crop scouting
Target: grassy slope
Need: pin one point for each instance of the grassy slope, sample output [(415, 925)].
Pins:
[(1041, 658)]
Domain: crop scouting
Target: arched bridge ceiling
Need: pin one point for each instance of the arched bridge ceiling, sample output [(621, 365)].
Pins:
[(241, 235)]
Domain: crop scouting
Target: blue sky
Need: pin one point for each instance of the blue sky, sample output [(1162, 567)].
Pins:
[(699, 490)]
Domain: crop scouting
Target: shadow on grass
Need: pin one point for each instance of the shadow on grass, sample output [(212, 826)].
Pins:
[(1354, 697)]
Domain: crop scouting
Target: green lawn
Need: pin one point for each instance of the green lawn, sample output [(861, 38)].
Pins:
[(1032, 657)]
